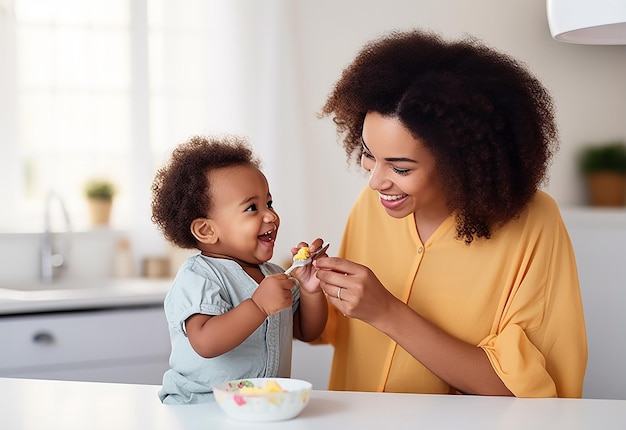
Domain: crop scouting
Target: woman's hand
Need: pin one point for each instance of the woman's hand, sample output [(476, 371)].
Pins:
[(354, 289)]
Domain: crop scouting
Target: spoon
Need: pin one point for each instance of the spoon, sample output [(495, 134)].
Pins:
[(313, 256)]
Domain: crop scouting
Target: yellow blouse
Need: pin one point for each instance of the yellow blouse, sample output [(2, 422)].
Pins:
[(515, 295)]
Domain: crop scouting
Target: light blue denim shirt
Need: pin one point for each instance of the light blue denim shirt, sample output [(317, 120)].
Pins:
[(213, 286)]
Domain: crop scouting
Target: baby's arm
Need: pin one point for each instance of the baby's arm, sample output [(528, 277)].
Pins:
[(214, 335), (310, 317)]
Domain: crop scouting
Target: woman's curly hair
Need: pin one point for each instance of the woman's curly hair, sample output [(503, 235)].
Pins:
[(486, 119), (181, 191)]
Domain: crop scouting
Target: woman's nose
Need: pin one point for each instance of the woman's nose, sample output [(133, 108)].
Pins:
[(377, 179)]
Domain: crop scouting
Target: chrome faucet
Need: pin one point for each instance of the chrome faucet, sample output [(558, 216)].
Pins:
[(51, 259)]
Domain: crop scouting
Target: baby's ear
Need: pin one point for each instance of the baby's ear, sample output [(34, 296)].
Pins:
[(204, 231)]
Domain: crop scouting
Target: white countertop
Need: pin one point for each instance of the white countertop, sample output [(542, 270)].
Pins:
[(42, 404), (77, 295)]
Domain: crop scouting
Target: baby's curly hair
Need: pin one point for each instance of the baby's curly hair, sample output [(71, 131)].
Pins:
[(181, 188), (487, 120)]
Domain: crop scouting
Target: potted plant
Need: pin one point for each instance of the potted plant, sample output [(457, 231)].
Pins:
[(604, 169), (100, 193)]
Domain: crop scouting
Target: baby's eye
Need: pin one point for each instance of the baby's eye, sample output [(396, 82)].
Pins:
[(251, 208), (270, 204)]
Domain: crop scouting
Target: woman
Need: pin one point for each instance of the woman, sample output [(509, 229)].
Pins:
[(456, 273)]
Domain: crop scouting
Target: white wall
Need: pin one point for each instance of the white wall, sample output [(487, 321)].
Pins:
[(599, 239), (587, 83), (294, 50)]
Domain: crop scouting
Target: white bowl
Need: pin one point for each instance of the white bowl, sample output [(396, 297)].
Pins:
[(262, 406)]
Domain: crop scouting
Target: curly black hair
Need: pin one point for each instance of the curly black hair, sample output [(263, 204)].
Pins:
[(181, 188), (487, 120)]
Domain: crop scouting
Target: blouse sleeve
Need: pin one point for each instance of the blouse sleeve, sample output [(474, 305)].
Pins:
[(519, 364), (539, 345)]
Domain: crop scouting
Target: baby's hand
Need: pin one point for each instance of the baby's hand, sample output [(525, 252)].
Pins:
[(306, 274), (274, 294)]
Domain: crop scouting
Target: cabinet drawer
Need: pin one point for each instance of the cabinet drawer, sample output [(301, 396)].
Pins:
[(77, 337)]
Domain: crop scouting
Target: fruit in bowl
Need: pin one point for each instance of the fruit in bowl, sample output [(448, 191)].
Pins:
[(263, 399)]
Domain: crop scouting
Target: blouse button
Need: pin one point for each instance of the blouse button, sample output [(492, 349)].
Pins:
[(419, 250)]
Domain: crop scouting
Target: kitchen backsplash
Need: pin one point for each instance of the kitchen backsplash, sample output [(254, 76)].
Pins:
[(86, 254)]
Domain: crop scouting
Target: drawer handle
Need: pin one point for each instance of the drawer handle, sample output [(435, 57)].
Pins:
[(43, 338)]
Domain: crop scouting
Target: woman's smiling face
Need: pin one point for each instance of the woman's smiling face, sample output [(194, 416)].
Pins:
[(401, 169)]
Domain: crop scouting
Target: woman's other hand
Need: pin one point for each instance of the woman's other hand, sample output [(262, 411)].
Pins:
[(354, 289)]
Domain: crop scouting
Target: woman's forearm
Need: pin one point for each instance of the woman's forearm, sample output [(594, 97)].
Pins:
[(464, 366)]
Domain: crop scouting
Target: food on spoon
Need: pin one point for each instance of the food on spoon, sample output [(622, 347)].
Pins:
[(268, 387), (303, 254)]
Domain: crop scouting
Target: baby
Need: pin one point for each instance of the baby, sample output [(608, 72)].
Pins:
[(231, 313)]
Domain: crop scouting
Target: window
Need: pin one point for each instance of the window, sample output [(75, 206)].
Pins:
[(104, 88)]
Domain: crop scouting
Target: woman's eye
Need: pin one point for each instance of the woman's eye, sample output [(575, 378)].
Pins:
[(367, 154), (251, 208), (401, 171)]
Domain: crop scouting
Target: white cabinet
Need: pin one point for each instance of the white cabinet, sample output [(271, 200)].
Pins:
[(129, 345)]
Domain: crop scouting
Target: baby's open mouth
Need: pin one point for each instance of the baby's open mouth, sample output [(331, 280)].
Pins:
[(269, 236)]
